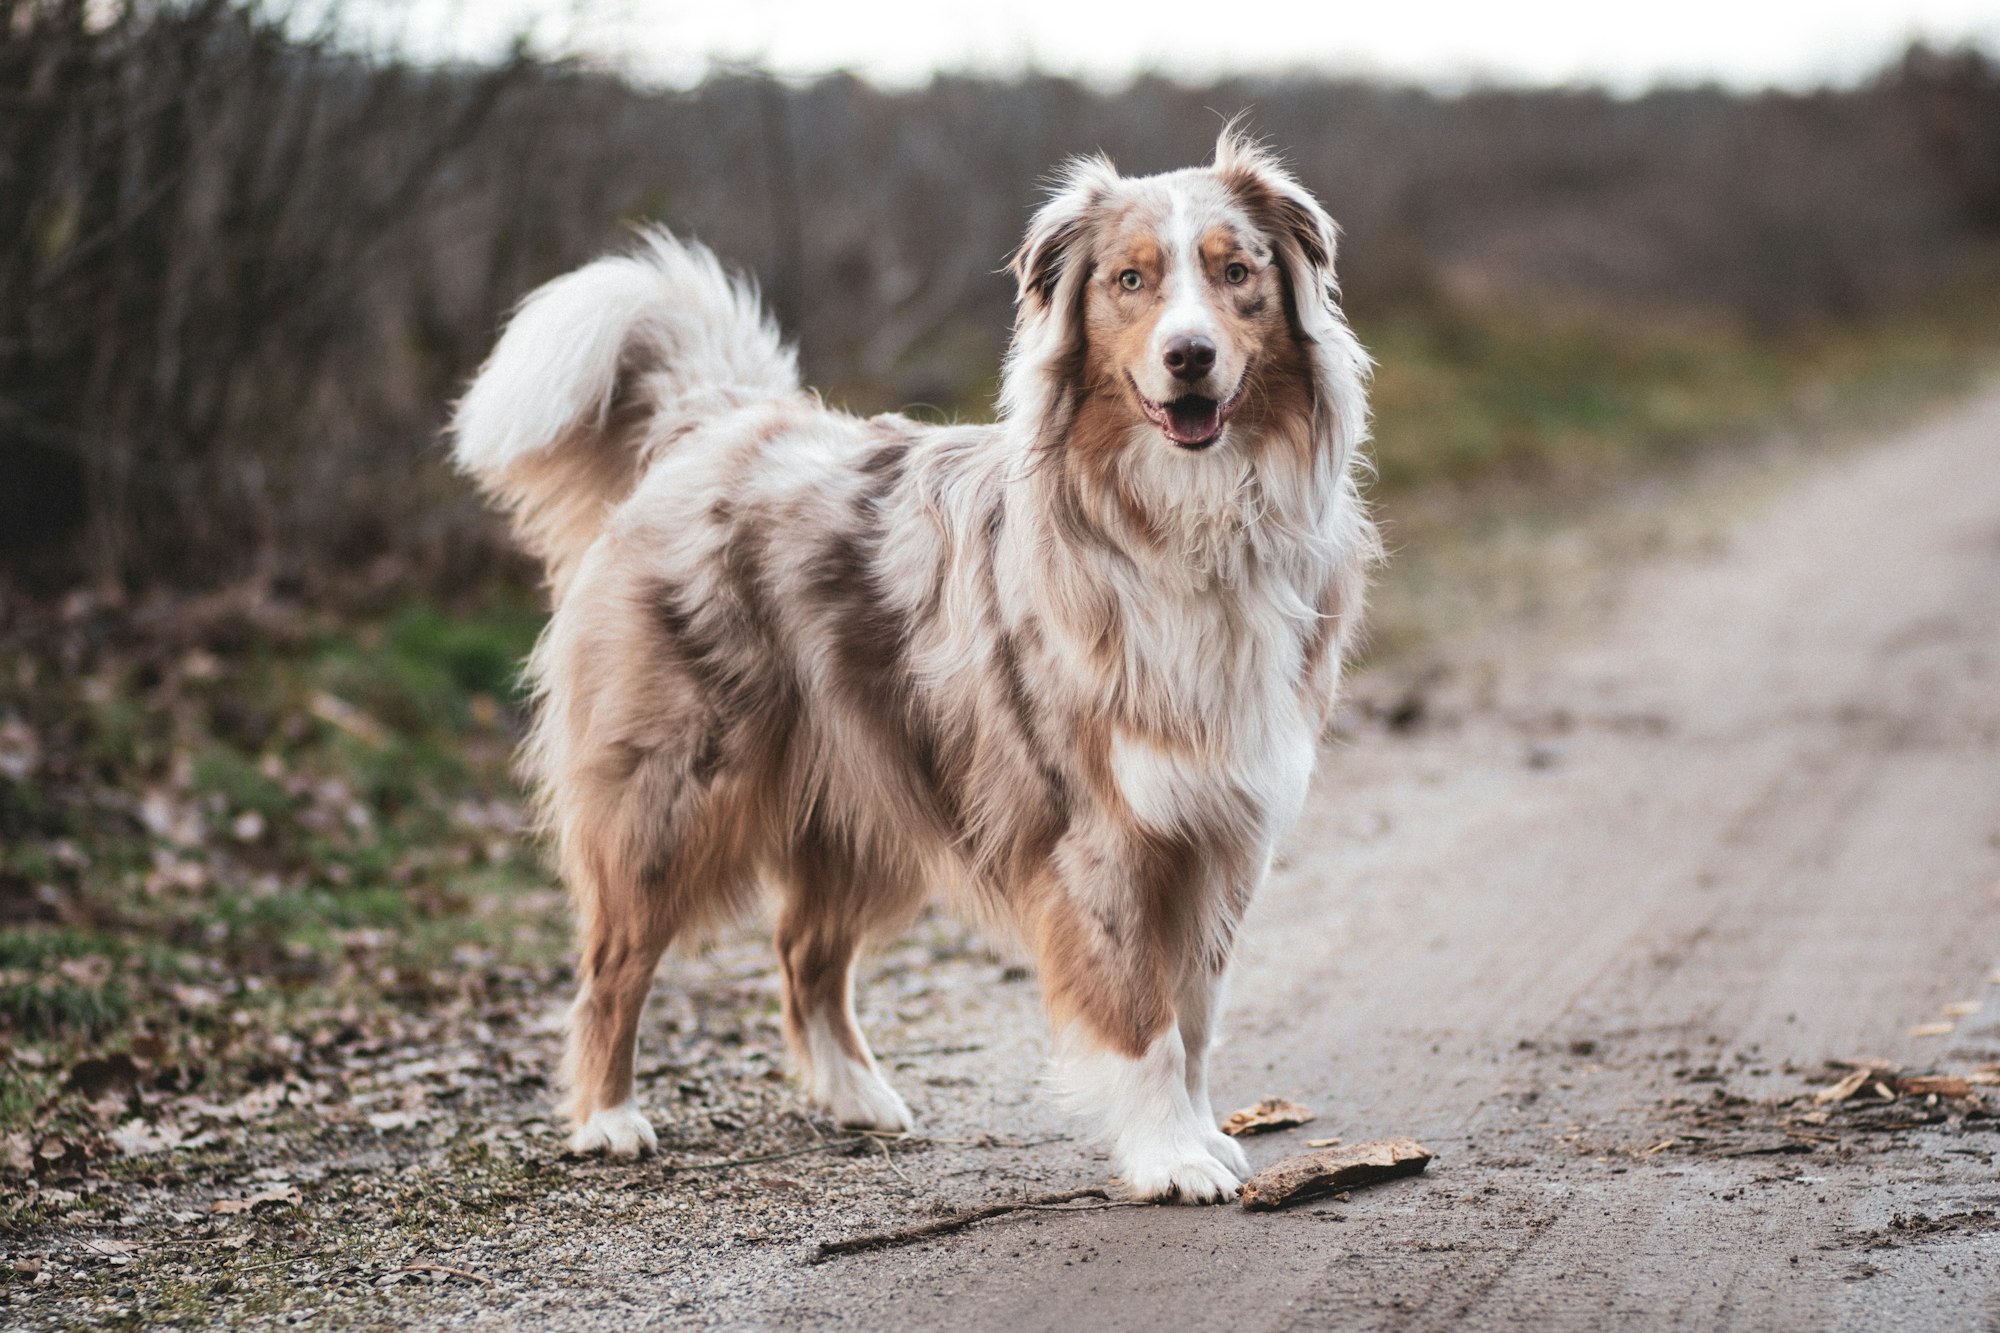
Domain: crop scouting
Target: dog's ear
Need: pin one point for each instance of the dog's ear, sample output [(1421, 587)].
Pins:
[(1053, 248), (1288, 215), (1304, 238)]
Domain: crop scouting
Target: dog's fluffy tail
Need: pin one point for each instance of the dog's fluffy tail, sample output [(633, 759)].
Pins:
[(592, 368)]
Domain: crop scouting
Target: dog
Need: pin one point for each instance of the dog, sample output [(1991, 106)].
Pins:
[(1070, 669)]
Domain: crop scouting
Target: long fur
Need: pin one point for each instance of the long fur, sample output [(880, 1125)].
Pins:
[(1057, 667)]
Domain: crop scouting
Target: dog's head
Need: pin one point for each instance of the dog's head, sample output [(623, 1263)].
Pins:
[(1200, 304)]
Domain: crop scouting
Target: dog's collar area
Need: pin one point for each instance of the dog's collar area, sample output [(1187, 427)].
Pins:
[(1192, 421)]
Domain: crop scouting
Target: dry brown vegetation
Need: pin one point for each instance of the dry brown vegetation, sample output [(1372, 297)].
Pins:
[(244, 268)]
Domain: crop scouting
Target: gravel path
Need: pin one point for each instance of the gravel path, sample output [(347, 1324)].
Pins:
[(1636, 876), (1590, 917)]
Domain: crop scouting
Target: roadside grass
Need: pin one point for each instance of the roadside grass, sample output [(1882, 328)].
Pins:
[(1495, 432), (222, 821)]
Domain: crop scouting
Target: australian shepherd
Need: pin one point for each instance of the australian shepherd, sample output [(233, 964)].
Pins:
[(1071, 668)]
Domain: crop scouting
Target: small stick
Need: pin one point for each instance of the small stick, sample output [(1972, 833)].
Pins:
[(280, 1263), (916, 1051), (448, 1271), (1331, 1170), (883, 1144), (886, 1240), (728, 1162)]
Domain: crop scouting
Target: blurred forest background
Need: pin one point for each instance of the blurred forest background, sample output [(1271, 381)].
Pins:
[(243, 271), (258, 645)]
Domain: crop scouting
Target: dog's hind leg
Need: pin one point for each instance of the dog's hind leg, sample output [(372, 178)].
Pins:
[(830, 907)]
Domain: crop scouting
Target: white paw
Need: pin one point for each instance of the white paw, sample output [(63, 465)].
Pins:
[(616, 1131), (856, 1096), (1186, 1172), (1227, 1151)]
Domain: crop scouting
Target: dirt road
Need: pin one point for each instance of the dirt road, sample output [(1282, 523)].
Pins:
[(1589, 921), (1629, 884)]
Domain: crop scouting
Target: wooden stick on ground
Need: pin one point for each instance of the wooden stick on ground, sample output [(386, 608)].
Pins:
[(448, 1271), (727, 1163), (884, 1240), (1333, 1169)]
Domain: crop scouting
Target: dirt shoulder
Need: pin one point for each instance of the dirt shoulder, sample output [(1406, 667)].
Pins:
[(1587, 904)]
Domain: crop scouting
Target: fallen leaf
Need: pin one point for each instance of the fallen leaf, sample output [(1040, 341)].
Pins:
[(105, 1076), (1963, 1008), (340, 713), (53, 1150), (388, 1120), (1932, 1029), (136, 1138), (1847, 1087), (117, 1251), (1321, 1143), (1269, 1114), (1942, 1085), (285, 1194)]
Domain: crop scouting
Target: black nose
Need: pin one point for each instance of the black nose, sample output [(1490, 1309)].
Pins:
[(1189, 356)]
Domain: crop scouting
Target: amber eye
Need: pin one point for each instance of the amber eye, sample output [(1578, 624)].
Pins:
[(1235, 274), (1130, 280)]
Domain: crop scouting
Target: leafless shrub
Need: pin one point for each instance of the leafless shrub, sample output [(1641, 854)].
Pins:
[(243, 270)]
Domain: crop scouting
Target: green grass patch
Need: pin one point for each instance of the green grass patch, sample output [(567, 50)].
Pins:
[(1469, 399)]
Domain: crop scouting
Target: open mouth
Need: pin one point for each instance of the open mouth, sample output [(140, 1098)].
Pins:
[(1192, 421)]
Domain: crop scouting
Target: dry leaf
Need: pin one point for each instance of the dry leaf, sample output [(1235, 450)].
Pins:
[(1321, 1143), (136, 1138), (340, 713), (286, 1194), (1932, 1030), (1847, 1087), (388, 1120), (1942, 1085), (117, 1251), (105, 1076), (1269, 1114), (1963, 1008)]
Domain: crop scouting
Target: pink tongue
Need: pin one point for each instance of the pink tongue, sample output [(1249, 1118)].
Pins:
[(1192, 419)]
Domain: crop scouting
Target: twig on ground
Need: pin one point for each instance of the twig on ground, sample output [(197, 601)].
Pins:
[(915, 1051), (944, 1226), (883, 1143), (280, 1263), (448, 1271), (728, 1162)]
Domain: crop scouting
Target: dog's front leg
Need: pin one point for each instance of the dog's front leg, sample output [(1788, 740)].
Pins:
[(1200, 1004), (1112, 961)]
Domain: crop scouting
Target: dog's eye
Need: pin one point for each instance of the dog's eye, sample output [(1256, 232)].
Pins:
[(1130, 280), (1235, 274)]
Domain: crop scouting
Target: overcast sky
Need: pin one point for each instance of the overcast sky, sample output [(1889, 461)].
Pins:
[(1746, 43)]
